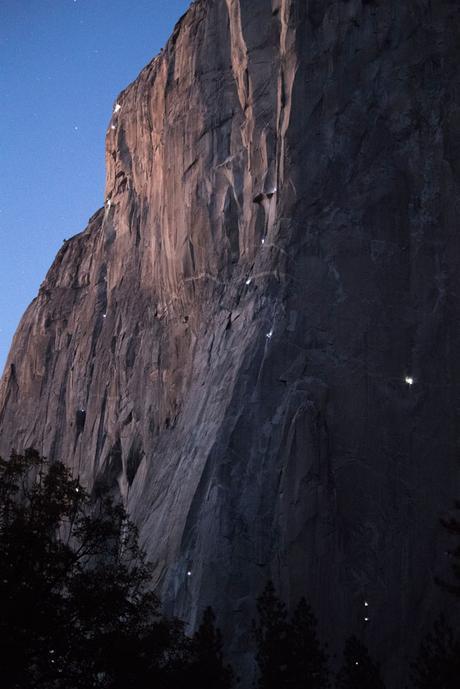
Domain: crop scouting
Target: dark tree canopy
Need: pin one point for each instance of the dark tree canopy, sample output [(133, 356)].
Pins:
[(438, 662), (289, 653), (358, 670), (308, 660), (78, 611), (271, 636), (452, 526), (208, 667)]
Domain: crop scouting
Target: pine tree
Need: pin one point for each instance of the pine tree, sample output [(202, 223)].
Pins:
[(271, 636), (452, 525), (358, 670), (77, 609), (307, 659), (35, 502), (209, 670), (438, 663)]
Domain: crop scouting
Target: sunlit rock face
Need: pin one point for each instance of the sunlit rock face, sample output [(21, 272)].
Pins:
[(255, 342)]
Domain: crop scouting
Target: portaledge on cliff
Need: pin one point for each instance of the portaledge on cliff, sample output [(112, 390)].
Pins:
[(226, 344)]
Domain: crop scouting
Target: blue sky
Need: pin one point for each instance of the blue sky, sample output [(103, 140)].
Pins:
[(62, 64)]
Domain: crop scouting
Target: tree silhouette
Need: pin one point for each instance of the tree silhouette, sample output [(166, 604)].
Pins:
[(271, 636), (77, 609), (438, 662), (452, 525), (209, 670), (289, 654), (35, 566), (307, 658), (358, 670)]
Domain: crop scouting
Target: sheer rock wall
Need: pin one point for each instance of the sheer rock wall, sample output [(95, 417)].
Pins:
[(226, 344)]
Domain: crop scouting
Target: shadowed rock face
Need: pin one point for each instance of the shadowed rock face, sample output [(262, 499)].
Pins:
[(227, 342)]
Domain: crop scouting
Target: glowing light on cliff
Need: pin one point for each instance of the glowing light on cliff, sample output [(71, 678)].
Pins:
[(117, 108), (248, 281), (409, 380), (269, 335)]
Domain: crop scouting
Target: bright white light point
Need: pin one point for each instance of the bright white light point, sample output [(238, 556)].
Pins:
[(366, 604), (112, 126), (117, 108), (356, 663), (366, 619), (269, 335), (263, 241), (77, 490), (409, 380), (109, 203), (104, 315), (189, 574), (248, 281)]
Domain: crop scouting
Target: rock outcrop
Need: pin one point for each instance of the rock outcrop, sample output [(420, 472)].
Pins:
[(255, 342)]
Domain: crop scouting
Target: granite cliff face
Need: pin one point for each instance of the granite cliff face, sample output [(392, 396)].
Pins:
[(226, 344)]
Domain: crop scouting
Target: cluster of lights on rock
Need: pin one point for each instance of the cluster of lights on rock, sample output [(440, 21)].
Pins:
[(366, 605), (269, 335), (409, 380)]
